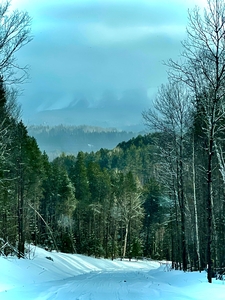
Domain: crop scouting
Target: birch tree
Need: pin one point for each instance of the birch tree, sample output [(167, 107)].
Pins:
[(128, 207)]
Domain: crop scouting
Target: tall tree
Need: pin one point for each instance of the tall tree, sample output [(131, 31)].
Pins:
[(14, 34), (203, 70), (26, 173), (172, 117), (152, 193), (78, 175), (128, 208)]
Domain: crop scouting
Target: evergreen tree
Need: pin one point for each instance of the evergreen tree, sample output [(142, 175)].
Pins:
[(78, 175)]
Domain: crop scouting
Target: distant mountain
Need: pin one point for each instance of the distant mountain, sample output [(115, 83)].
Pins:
[(71, 139), (123, 112)]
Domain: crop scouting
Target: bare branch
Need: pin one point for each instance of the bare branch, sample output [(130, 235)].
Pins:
[(14, 34)]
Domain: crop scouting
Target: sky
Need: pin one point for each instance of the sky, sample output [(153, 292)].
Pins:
[(88, 48)]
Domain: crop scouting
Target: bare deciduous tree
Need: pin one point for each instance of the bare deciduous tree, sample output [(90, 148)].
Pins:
[(202, 68), (128, 206), (14, 34), (172, 117)]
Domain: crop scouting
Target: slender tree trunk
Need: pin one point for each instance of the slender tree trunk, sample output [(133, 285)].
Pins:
[(172, 258), (177, 230), (21, 234), (125, 240), (181, 198), (209, 208), (183, 219), (114, 227), (196, 210), (20, 204)]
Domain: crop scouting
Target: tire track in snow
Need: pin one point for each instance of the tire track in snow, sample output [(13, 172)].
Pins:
[(98, 286)]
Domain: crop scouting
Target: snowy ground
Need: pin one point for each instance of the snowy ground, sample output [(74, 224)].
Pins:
[(76, 277)]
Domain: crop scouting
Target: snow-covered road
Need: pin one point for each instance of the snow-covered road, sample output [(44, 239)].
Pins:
[(95, 286), (77, 277), (121, 285)]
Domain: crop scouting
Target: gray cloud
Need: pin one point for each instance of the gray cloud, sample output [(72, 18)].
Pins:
[(89, 47), (117, 13)]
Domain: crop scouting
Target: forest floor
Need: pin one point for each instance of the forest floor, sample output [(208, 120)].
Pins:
[(60, 276)]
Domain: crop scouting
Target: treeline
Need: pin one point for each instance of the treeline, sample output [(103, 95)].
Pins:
[(71, 139), (189, 112), (105, 203)]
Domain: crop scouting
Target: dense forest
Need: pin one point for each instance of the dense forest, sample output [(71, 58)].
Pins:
[(160, 195), (106, 203), (71, 139)]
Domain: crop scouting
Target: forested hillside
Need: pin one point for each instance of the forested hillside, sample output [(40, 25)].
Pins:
[(105, 203), (72, 139)]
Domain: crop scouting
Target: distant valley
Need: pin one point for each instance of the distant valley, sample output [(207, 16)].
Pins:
[(89, 124), (71, 139)]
